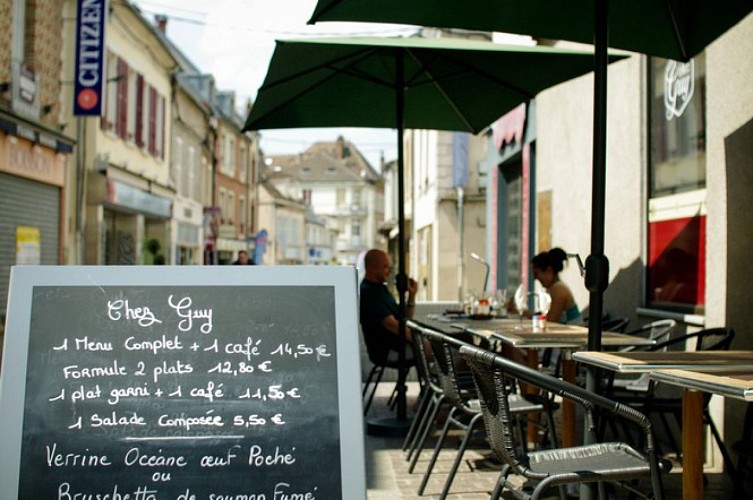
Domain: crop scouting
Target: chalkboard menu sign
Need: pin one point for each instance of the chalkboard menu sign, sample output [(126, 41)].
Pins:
[(181, 383)]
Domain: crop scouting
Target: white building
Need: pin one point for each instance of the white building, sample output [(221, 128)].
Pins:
[(341, 186)]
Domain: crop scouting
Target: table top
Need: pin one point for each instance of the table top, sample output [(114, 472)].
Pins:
[(727, 384), (647, 361), (564, 337), (434, 323)]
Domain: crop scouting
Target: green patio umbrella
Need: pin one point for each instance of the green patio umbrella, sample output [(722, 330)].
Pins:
[(418, 83), (673, 29)]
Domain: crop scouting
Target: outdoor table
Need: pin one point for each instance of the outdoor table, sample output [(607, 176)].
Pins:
[(692, 371), (568, 338)]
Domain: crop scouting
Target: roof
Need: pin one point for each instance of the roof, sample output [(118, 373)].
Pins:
[(325, 161)]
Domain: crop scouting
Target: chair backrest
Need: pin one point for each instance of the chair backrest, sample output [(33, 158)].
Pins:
[(709, 339), (422, 363), (615, 325), (445, 350), (492, 390), (659, 331)]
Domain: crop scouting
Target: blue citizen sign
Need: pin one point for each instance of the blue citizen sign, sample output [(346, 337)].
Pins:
[(90, 44)]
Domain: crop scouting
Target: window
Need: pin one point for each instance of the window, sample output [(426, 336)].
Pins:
[(151, 144), (110, 115), (205, 182), (139, 112), (159, 123), (228, 154), (223, 208), (121, 120), (242, 216), (134, 109), (178, 167), (190, 186), (677, 191), (231, 207), (242, 162)]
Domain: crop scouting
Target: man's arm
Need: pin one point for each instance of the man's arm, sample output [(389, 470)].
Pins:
[(390, 323)]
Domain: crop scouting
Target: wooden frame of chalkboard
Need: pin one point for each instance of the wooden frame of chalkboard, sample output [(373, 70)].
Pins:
[(185, 383)]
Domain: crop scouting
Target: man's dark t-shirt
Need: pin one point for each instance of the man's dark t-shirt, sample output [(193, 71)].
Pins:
[(376, 304)]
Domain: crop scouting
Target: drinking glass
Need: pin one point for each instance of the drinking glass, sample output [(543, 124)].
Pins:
[(499, 303), (521, 301)]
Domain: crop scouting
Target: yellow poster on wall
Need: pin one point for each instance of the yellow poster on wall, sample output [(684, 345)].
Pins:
[(28, 245)]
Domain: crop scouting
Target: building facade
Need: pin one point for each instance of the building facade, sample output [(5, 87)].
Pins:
[(123, 155), (37, 159), (233, 206), (677, 202), (445, 209), (337, 182)]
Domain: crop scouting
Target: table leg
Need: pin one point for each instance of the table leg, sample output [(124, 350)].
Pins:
[(532, 360), (568, 407), (692, 445)]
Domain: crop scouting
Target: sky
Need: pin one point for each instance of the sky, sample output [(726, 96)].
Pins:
[(234, 40)]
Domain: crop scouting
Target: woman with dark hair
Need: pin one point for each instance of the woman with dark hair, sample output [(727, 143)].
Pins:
[(546, 269)]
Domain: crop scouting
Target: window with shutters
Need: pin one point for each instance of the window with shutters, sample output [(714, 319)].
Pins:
[(159, 133), (121, 122), (139, 111), (133, 110), (151, 142)]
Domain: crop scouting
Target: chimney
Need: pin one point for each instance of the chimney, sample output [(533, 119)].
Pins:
[(161, 21), (340, 148)]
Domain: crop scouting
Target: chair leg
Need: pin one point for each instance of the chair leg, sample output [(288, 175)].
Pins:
[(437, 449), (422, 407), (392, 402), (500, 486), (722, 447), (368, 380), (739, 481), (425, 423), (379, 372), (424, 434), (459, 455)]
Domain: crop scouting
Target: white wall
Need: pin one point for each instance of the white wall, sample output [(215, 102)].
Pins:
[(564, 166)]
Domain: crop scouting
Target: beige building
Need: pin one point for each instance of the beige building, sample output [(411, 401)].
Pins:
[(123, 156), (282, 215), (191, 171), (37, 161), (446, 212)]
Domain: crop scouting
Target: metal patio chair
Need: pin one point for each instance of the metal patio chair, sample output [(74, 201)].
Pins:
[(614, 462), (709, 339), (458, 391)]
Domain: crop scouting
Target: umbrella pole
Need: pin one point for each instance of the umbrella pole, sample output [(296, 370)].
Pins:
[(399, 425), (402, 282), (597, 264)]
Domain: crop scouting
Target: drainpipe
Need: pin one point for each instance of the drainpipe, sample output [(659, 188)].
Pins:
[(461, 243)]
